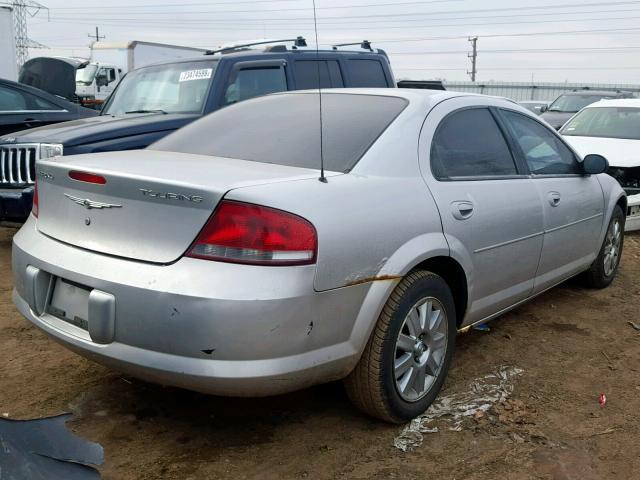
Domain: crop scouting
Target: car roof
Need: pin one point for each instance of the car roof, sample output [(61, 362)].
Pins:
[(250, 52), (411, 94), (418, 97)]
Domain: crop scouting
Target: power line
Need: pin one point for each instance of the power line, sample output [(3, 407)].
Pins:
[(272, 28), (404, 20), (412, 14), (519, 34), (517, 68), (525, 50), (367, 5), (239, 25)]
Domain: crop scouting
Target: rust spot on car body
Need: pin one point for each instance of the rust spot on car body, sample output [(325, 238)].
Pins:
[(372, 279)]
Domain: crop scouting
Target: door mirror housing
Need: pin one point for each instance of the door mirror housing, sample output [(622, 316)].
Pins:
[(102, 80), (543, 108), (594, 164)]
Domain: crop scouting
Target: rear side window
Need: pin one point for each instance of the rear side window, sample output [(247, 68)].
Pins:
[(544, 152), (469, 143), (366, 73), (254, 82), (308, 71), (11, 100), (285, 129)]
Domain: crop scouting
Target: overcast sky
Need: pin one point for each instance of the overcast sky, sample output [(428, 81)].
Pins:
[(519, 40)]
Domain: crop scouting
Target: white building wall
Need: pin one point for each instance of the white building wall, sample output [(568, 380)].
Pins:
[(8, 67)]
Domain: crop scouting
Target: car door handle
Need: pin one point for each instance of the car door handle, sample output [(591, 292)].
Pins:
[(554, 199), (462, 210)]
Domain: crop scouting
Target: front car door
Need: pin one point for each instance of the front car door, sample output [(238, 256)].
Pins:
[(573, 203), (490, 209)]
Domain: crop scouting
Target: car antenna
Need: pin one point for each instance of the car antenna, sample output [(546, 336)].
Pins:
[(322, 178)]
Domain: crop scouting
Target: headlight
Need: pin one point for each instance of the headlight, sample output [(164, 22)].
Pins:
[(48, 150)]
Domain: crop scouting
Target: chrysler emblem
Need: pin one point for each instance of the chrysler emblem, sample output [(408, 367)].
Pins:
[(89, 204)]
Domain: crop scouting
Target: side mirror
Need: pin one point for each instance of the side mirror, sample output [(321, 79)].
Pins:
[(101, 80), (594, 164), (543, 108)]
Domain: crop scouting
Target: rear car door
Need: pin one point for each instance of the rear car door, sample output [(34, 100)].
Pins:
[(573, 203), (490, 209)]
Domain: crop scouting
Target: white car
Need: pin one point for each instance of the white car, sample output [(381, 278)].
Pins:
[(611, 128)]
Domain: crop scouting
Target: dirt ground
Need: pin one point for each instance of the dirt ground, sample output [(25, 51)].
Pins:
[(571, 344)]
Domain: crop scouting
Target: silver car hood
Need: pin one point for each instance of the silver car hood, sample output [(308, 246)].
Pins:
[(153, 204)]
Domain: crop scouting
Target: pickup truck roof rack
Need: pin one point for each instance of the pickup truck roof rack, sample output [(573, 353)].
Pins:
[(364, 44), (297, 42)]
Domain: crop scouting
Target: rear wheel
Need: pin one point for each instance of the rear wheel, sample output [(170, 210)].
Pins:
[(409, 352), (604, 268)]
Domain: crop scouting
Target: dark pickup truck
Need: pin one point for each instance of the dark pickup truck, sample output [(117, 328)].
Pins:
[(153, 101)]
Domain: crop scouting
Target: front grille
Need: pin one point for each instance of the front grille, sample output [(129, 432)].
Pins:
[(629, 178), (18, 164)]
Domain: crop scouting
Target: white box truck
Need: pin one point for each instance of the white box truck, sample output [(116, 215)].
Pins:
[(109, 61), (8, 65)]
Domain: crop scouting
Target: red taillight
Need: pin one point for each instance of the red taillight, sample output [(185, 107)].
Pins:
[(87, 177), (247, 233), (34, 205)]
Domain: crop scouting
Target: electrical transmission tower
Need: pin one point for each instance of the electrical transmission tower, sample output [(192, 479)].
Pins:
[(22, 9)]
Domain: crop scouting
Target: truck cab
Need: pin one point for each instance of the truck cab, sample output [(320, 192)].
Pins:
[(155, 100), (95, 81)]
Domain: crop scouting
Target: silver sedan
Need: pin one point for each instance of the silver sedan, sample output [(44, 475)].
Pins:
[(222, 259)]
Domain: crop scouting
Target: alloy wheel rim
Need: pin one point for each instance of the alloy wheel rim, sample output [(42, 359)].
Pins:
[(612, 247), (420, 350)]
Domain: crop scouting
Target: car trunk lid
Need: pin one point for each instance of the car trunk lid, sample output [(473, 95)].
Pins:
[(152, 204)]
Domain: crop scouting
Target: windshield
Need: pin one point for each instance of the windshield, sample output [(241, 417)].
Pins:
[(86, 74), (574, 103), (607, 122), (176, 88)]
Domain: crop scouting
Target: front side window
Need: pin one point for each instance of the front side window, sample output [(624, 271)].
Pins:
[(255, 82), (606, 122), (469, 143), (86, 74), (175, 88), (543, 150)]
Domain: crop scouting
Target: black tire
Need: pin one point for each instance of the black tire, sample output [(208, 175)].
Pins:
[(371, 386), (597, 275)]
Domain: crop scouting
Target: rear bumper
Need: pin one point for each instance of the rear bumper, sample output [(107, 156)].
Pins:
[(633, 222), (212, 327), (15, 204)]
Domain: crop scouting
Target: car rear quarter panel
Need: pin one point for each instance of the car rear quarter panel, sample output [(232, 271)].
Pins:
[(377, 221)]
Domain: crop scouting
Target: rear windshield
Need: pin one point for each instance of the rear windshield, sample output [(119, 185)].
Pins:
[(285, 130)]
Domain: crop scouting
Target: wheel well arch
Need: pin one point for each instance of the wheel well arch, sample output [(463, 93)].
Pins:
[(452, 273), (622, 201)]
